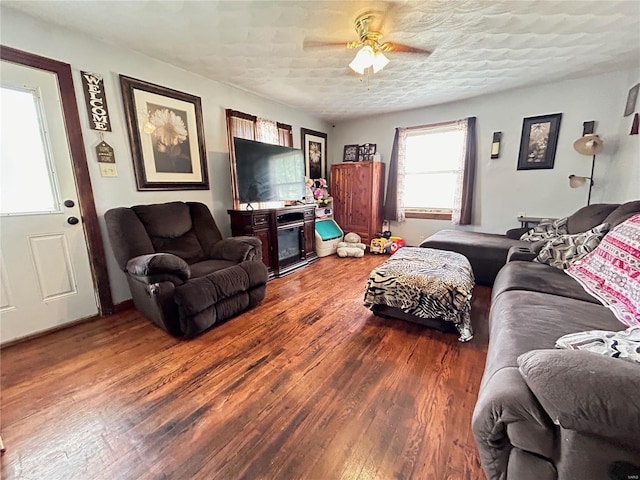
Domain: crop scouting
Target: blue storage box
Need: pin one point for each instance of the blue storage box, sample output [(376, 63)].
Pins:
[(328, 235)]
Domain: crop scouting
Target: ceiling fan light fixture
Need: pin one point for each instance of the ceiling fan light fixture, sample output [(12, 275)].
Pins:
[(379, 62), (363, 60)]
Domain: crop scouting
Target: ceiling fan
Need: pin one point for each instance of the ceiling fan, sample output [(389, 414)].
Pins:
[(371, 53)]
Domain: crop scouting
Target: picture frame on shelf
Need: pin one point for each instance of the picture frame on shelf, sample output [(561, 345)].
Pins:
[(366, 152), (538, 142), (166, 134), (314, 146), (350, 153), (632, 98)]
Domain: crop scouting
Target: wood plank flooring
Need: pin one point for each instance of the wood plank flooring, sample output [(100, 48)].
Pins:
[(309, 385)]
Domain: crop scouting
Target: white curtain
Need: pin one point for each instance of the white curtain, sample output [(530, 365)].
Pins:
[(458, 194), (267, 131)]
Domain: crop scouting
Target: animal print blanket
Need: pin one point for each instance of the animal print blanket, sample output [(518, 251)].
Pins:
[(426, 283)]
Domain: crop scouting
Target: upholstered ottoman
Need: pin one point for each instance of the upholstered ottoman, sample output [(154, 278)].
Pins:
[(424, 285)]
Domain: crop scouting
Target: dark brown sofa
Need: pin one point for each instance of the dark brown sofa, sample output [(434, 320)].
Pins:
[(183, 276)]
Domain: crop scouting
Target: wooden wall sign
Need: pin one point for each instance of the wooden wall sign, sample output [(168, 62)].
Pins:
[(105, 153), (96, 101)]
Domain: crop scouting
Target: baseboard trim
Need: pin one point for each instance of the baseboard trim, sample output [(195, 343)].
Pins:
[(123, 306), (47, 331), (117, 308)]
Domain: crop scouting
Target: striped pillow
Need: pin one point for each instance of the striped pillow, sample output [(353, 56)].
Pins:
[(546, 229), (562, 251), (611, 273)]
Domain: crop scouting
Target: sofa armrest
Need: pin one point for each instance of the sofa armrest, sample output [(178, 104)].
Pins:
[(158, 267), (237, 249), (516, 233), (584, 391), (520, 253)]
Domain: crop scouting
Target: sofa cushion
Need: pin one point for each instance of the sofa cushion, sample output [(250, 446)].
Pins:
[(167, 220), (588, 217), (562, 251), (612, 271), (545, 230), (537, 277), (206, 267), (521, 321), (622, 213)]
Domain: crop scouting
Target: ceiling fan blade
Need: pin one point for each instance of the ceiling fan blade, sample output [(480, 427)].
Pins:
[(322, 44), (400, 48)]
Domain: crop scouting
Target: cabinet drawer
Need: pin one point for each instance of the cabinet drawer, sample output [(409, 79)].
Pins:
[(261, 220)]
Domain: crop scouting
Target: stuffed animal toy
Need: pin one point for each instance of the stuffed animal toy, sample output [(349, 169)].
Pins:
[(351, 247)]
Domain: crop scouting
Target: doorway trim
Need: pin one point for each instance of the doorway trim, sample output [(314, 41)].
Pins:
[(82, 179)]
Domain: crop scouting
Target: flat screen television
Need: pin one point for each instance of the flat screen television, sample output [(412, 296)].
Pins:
[(267, 173)]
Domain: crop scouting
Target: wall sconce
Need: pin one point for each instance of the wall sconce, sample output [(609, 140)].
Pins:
[(589, 144), (495, 145)]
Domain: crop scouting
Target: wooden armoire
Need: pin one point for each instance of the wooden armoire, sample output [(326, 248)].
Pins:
[(358, 189)]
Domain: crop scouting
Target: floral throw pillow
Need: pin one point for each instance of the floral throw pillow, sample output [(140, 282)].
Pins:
[(562, 251), (546, 230), (611, 273), (624, 344)]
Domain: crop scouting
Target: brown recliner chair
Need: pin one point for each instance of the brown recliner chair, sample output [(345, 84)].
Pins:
[(183, 276)]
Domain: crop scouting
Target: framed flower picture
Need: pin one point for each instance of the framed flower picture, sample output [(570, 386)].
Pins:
[(166, 133), (314, 146), (539, 141)]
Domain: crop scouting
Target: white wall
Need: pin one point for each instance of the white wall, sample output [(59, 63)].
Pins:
[(624, 168), (88, 54), (501, 191)]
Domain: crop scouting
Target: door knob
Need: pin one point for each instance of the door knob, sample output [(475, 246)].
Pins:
[(69, 203), (72, 220)]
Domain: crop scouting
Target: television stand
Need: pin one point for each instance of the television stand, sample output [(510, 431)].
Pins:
[(288, 235)]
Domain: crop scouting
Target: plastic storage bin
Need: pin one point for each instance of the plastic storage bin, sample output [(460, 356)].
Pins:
[(328, 235)]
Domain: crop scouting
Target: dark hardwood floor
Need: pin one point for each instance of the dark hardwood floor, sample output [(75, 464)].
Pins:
[(310, 384)]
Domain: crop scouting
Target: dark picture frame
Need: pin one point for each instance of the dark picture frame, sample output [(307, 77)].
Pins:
[(539, 141), (314, 146), (366, 152), (632, 98), (166, 133), (350, 153)]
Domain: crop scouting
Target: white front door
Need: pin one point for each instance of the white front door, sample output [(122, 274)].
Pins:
[(45, 274)]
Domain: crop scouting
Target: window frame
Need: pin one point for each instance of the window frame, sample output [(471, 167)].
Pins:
[(429, 213)]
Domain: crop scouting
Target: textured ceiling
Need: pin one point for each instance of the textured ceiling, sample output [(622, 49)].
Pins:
[(478, 46)]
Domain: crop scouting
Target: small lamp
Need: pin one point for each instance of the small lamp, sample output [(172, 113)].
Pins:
[(589, 144)]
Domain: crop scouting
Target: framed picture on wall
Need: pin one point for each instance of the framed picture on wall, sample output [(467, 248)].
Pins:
[(166, 134), (314, 146), (350, 153), (539, 141)]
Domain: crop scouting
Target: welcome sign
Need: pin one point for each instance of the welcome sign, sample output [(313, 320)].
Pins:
[(96, 101)]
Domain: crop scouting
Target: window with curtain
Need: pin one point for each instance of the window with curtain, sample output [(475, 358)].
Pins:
[(431, 172), (250, 127)]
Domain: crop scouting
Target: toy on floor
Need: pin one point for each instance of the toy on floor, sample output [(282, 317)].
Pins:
[(386, 243), (351, 247)]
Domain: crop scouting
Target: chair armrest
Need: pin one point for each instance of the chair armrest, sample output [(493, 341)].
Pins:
[(584, 391), (237, 249), (516, 233), (156, 266)]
